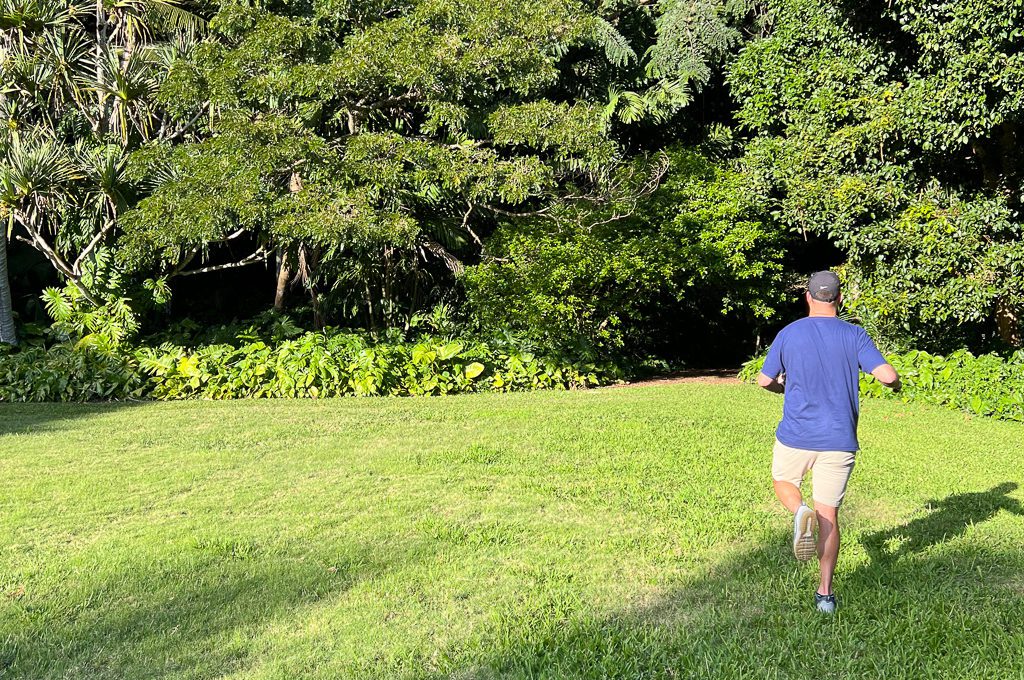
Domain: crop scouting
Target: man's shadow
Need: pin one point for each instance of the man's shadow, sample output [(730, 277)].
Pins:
[(949, 518)]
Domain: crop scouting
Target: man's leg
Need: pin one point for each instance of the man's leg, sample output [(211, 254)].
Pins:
[(789, 466), (831, 474), (788, 469), (828, 544), (788, 494)]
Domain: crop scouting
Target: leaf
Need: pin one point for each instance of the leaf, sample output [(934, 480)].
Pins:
[(474, 369), (448, 351), (188, 366)]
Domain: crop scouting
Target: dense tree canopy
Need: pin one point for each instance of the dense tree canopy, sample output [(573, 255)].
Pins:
[(355, 139), (80, 83), (616, 178), (893, 129)]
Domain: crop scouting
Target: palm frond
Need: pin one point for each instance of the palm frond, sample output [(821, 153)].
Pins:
[(692, 34), (615, 45), (126, 84), (138, 20)]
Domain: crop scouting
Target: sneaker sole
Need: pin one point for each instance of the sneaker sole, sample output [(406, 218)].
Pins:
[(804, 545)]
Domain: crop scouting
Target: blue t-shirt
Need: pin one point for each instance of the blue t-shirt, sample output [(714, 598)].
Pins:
[(822, 357)]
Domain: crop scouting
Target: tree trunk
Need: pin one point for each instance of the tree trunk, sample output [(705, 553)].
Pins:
[(103, 123), (7, 334), (283, 275), (308, 260), (1008, 319)]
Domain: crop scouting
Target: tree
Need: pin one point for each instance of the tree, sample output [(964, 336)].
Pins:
[(637, 280), (8, 332), (891, 128), (79, 83), (365, 145)]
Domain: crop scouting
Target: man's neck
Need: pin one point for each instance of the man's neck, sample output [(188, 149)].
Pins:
[(827, 312)]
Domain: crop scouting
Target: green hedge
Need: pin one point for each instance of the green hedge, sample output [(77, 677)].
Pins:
[(988, 385), (310, 365), (68, 372)]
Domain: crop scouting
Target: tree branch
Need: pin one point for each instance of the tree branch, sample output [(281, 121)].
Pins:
[(184, 128), (57, 261), (437, 250), (89, 248), (465, 224), (259, 255), (530, 213)]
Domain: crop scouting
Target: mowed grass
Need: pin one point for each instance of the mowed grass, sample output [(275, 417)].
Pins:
[(626, 533)]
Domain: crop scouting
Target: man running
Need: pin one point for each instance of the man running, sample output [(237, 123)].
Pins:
[(816, 362)]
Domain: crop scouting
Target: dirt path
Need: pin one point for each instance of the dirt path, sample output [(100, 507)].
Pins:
[(720, 376)]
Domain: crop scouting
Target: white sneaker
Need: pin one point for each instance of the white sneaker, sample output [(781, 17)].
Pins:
[(826, 604), (805, 523)]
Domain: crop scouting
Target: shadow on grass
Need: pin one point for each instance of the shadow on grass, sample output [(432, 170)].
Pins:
[(199, 614), (955, 612), (946, 519), (32, 417)]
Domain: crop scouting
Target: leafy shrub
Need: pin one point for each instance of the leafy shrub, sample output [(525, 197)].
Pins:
[(987, 385), (104, 318), (69, 372), (309, 365), (697, 252), (322, 365)]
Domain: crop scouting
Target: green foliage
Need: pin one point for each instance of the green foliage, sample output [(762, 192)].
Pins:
[(691, 40), (750, 369), (697, 246), (304, 365), (79, 94), (893, 129), (938, 272), (383, 153), (69, 372), (321, 365), (693, 35), (103, 319), (363, 151), (988, 385)]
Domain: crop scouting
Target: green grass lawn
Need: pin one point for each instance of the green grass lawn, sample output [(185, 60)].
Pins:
[(611, 533)]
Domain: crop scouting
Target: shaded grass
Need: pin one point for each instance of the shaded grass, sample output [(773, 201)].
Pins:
[(611, 533)]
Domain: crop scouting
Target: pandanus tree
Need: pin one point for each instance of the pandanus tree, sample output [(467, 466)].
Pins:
[(79, 83)]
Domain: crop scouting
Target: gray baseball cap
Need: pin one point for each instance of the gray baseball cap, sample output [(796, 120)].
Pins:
[(824, 286)]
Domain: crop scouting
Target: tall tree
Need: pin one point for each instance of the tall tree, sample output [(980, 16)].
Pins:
[(892, 127), (361, 142), (369, 148), (79, 80)]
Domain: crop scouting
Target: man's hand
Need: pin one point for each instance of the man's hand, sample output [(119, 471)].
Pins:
[(888, 376), (776, 385)]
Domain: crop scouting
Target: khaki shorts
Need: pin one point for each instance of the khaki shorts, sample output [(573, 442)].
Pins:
[(831, 471)]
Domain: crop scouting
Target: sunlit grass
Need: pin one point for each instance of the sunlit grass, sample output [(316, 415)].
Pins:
[(611, 533)]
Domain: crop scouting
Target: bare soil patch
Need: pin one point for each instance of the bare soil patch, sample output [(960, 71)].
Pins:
[(721, 376)]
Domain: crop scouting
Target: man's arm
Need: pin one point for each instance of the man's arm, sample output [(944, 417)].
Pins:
[(868, 355), (888, 376), (772, 370), (776, 385)]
